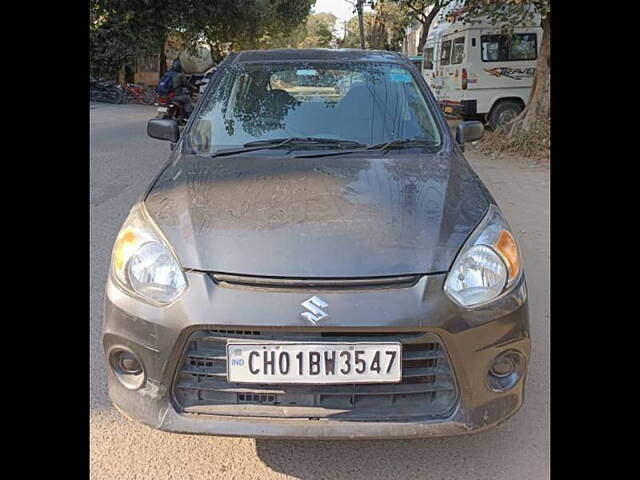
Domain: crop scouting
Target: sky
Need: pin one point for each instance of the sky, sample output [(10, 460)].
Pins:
[(340, 8)]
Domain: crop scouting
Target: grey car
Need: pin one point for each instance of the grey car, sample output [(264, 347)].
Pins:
[(316, 259)]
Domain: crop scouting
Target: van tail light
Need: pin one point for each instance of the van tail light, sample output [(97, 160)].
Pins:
[(464, 79)]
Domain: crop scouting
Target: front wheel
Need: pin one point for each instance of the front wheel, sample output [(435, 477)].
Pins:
[(114, 95), (503, 113)]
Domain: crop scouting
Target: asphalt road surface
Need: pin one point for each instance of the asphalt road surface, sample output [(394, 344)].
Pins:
[(123, 161)]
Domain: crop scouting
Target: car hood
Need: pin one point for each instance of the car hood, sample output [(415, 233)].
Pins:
[(352, 215)]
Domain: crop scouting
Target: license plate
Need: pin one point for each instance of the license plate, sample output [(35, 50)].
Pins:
[(448, 109), (307, 363), (162, 109)]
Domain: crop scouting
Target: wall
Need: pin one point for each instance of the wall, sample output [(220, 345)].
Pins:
[(148, 78), (410, 43)]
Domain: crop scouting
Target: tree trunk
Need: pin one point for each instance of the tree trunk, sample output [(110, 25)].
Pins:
[(426, 25), (163, 59), (360, 23), (129, 73), (538, 107), (377, 34)]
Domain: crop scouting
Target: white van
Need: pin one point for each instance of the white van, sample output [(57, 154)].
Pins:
[(481, 74), (431, 52)]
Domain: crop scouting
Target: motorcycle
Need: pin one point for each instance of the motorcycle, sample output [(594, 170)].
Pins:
[(170, 108), (104, 91)]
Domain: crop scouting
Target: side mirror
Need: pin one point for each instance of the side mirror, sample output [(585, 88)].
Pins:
[(469, 132), (163, 129)]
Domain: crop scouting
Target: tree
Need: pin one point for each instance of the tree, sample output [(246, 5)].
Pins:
[(383, 28), (255, 23), (118, 35), (423, 11), (352, 36), (389, 24), (510, 13), (123, 30), (319, 31), (358, 6), (316, 32)]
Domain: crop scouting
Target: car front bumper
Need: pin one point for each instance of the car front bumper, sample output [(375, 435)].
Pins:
[(472, 339)]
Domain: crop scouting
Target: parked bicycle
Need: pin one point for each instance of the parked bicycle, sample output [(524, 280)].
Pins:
[(138, 93)]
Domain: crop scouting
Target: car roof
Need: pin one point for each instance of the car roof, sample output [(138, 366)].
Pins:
[(317, 54)]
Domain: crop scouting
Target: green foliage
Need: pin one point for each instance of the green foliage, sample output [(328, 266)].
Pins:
[(390, 23), (352, 37), (417, 9), (505, 14), (319, 31), (121, 31), (424, 12), (254, 23), (384, 27), (316, 32)]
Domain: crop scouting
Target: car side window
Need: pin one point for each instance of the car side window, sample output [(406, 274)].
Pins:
[(523, 47), (501, 48), (457, 53), (446, 53)]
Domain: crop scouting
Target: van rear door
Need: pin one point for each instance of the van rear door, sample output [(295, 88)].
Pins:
[(453, 54), (427, 64), (442, 72)]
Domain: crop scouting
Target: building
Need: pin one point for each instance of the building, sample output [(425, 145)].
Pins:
[(411, 39), (414, 31), (147, 70)]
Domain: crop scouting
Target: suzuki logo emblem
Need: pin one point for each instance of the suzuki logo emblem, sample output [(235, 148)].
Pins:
[(315, 313)]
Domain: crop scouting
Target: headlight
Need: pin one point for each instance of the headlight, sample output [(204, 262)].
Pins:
[(488, 264), (143, 262)]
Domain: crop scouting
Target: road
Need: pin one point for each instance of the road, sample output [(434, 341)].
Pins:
[(123, 161)]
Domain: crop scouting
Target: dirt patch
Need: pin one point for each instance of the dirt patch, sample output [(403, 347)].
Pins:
[(533, 145), (530, 150)]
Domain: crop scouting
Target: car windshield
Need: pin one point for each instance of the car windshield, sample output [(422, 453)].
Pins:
[(365, 102)]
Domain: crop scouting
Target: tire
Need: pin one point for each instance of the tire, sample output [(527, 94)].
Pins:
[(114, 95), (150, 97), (503, 113)]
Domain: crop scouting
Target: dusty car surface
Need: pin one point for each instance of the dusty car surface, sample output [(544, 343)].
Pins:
[(316, 259)]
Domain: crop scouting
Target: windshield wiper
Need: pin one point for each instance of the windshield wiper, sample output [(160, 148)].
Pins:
[(402, 143), (306, 141), (378, 147), (281, 142)]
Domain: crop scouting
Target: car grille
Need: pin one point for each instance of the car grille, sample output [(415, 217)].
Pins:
[(280, 283), (427, 389)]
